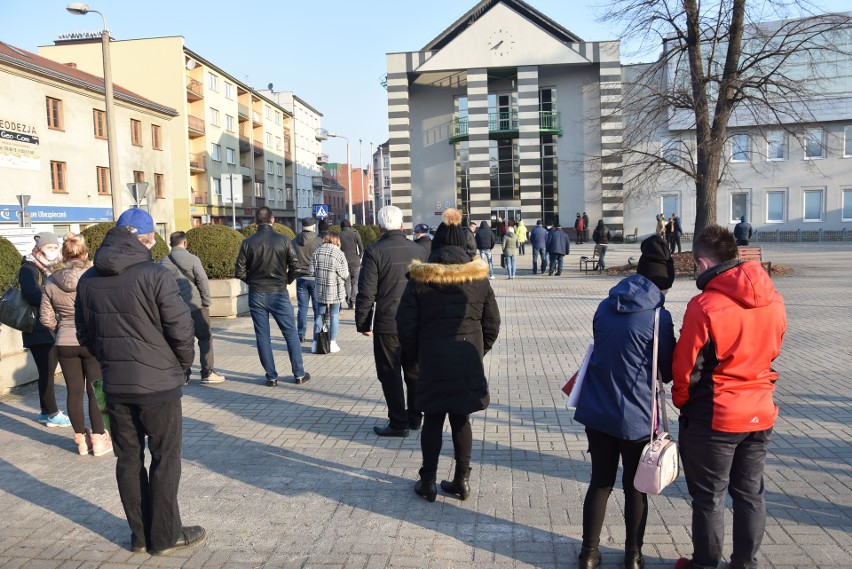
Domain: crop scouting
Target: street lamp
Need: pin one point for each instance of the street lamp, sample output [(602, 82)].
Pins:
[(320, 137), (81, 9)]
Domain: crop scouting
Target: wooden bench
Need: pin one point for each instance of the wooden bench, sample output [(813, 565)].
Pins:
[(585, 260), (634, 238), (755, 254)]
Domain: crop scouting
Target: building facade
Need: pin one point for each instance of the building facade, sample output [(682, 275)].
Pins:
[(381, 175), (53, 146)]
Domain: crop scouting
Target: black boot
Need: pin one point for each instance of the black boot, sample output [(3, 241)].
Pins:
[(426, 485), (460, 485), (589, 558), (633, 560)]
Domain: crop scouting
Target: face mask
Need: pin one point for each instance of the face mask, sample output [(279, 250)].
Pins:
[(51, 255)]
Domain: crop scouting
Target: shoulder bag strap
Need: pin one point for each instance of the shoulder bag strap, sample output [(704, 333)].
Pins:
[(186, 274), (654, 375)]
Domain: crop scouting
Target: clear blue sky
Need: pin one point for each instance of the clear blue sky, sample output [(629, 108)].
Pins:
[(331, 53)]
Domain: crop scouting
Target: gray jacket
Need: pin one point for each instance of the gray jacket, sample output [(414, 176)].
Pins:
[(190, 276)]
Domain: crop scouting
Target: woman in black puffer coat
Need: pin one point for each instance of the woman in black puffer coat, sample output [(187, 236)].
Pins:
[(448, 320)]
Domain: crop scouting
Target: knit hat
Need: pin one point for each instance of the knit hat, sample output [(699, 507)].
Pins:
[(656, 263), (345, 223), (137, 218), (308, 222), (449, 232), (45, 238)]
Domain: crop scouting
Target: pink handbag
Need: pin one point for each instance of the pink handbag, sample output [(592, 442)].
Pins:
[(659, 464)]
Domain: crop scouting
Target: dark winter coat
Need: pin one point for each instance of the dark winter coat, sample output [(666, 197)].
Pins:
[(352, 246), (616, 393), (485, 237), (383, 279), (426, 243), (266, 261), (601, 234), (470, 244), (558, 242), (32, 280), (305, 244), (131, 317), (742, 231), (448, 319), (538, 237)]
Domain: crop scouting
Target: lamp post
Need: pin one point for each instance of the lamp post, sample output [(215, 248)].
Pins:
[(371, 186), (348, 172), (81, 9)]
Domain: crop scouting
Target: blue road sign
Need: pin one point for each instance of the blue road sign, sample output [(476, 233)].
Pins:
[(321, 211)]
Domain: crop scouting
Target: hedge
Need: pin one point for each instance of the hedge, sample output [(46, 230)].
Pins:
[(95, 234), (369, 233), (10, 263), (250, 230), (217, 246)]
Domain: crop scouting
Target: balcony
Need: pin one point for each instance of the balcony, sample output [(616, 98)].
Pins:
[(316, 181), (257, 147), (245, 143), (255, 119), (199, 198), (246, 172), (196, 126), (243, 113), (197, 162), (194, 90), (259, 176), (505, 124), (550, 122)]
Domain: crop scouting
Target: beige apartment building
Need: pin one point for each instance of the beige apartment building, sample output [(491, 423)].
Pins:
[(226, 135), (53, 146)]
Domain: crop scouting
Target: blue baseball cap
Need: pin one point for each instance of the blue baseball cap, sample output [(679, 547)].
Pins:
[(137, 218)]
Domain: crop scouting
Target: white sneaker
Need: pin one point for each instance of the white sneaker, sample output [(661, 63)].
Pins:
[(334, 347)]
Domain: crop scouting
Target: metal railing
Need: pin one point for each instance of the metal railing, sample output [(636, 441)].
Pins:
[(195, 124), (243, 111), (197, 161), (504, 121), (550, 121), (195, 87)]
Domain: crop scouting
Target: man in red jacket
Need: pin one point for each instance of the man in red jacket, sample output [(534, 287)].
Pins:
[(723, 384)]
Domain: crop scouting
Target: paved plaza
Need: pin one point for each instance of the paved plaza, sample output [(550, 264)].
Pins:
[(293, 476)]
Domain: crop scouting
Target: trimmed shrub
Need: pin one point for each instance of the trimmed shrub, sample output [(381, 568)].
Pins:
[(95, 234), (335, 228), (250, 230), (10, 263), (217, 246), (369, 233)]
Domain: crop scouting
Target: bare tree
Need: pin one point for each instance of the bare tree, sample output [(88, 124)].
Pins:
[(763, 65)]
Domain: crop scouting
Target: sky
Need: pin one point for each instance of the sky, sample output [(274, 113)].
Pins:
[(331, 53)]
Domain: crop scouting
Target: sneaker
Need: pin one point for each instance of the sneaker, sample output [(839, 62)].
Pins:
[(334, 348), (212, 378), (304, 379), (271, 383), (58, 420), (101, 444), (84, 443)]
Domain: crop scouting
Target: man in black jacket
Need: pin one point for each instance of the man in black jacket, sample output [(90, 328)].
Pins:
[(130, 315), (267, 263), (305, 244), (423, 238), (485, 242), (380, 287), (353, 247)]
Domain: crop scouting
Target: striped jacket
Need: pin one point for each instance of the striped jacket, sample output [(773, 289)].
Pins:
[(329, 267)]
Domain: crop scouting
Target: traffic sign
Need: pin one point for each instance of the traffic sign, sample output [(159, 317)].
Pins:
[(321, 211)]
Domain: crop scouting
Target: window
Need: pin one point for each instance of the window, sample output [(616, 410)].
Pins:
[(813, 205), (670, 204), (269, 166), (277, 143), (213, 81), (269, 140), (267, 112), (99, 118), (279, 169), (229, 91), (739, 206), (229, 123), (847, 142), (669, 149), (289, 193), (776, 145), (216, 152), (138, 176), (814, 142), (156, 137), (54, 113), (504, 175), (159, 186), (776, 206), (231, 155), (258, 189), (103, 180), (214, 117), (135, 132), (217, 187), (277, 117), (847, 205), (740, 148), (280, 195), (57, 177)]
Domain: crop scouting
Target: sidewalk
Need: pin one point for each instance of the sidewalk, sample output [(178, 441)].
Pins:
[(293, 476)]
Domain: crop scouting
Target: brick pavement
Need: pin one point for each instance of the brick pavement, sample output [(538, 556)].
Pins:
[(294, 477)]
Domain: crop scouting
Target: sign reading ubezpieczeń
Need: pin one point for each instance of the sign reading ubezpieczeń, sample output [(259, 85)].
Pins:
[(18, 146)]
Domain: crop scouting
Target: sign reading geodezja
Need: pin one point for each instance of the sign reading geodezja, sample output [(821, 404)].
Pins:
[(18, 146), (55, 214)]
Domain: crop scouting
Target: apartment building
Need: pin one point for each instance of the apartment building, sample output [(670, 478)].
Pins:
[(228, 138), (381, 175), (53, 146)]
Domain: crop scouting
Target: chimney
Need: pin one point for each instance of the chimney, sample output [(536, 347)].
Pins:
[(71, 64)]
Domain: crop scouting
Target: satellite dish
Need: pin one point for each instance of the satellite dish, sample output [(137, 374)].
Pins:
[(191, 63), (269, 86)]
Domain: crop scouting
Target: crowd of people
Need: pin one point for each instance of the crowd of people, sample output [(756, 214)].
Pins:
[(433, 315)]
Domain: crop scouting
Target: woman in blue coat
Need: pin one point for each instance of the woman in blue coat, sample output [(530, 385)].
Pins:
[(615, 401)]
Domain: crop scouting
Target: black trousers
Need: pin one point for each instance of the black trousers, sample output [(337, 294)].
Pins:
[(201, 322), (45, 361), (431, 439), (606, 451), (80, 369), (149, 496), (392, 371)]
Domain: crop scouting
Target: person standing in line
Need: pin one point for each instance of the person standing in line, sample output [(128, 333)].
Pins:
[(130, 315), (79, 366), (677, 231), (422, 237), (743, 232), (485, 242), (523, 237), (558, 245), (383, 278), (579, 229), (661, 225), (585, 227), (305, 244), (35, 269), (353, 247), (323, 228), (510, 250), (601, 237), (723, 383), (447, 321), (615, 401), (538, 242), (331, 271), (470, 240), (670, 232), (267, 263), (499, 228), (195, 291)]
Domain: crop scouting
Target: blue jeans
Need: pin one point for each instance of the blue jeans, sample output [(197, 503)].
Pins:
[(334, 320), (306, 290), (556, 261), (485, 255), (511, 264), (539, 252), (715, 463), (277, 304)]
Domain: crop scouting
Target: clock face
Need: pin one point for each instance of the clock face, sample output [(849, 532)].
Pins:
[(500, 42)]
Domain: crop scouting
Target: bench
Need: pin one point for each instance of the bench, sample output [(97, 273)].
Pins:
[(634, 238), (755, 254), (594, 260)]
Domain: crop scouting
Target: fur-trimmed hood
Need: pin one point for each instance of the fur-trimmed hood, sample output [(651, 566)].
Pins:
[(441, 273)]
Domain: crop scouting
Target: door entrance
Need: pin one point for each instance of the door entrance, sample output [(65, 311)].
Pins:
[(506, 214)]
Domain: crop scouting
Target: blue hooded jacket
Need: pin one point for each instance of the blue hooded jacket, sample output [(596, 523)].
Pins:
[(616, 393)]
